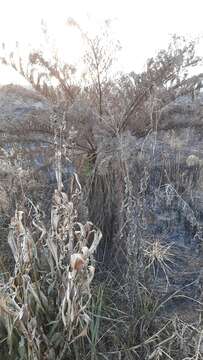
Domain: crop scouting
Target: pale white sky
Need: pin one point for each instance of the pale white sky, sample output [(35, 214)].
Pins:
[(142, 26)]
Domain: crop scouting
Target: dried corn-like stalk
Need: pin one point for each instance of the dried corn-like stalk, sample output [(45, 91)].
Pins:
[(44, 305)]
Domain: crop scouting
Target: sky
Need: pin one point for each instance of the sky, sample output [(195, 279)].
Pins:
[(142, 27)]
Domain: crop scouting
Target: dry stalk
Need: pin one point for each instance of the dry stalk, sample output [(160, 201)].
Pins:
[(44, 305)]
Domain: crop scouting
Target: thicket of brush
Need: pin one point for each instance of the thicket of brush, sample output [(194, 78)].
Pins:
[(49, 306)]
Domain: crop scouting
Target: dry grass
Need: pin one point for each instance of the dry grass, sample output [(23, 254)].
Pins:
[(49, 307), (158, 257)]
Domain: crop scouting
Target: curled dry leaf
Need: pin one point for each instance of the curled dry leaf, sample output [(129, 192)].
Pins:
[(77, 262), (85, 252)]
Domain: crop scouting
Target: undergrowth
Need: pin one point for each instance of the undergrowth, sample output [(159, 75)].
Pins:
[(53, 305)]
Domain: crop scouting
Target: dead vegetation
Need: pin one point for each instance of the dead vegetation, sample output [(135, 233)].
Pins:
[(112, 130), (44, 305)]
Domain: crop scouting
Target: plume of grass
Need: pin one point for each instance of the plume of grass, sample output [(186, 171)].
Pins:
[(158, 257)]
